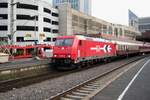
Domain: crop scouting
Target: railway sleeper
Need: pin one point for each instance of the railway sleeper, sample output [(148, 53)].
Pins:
[(74, 96), (79, 94)]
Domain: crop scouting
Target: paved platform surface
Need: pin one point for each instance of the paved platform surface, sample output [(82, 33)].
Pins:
[(23, 63), (132, 85)]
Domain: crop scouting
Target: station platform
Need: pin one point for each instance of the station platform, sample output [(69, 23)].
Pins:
[(23, 68), (19, 63), (132, 85)]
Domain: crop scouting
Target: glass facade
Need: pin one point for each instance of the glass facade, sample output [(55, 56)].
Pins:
[(144, 24), (141, 24), (81, 5), (133, 19)]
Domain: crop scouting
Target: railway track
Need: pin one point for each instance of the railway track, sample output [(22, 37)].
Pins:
[(25, 81), (29, 80), (88, 89)]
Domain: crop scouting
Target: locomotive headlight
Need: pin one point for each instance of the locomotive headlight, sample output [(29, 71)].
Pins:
[(55, 55), (69, 56)]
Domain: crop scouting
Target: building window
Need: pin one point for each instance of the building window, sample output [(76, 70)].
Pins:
[(19, 39), (47, 20), (144, 27), (3, 28), (3, 5), (54, 39), (55, 31), (55, 23), (27, 28), (48, 39), (27, 6), (47, 29), (140, 27), (47, 10), (26, 17), (55, 14), (4, 16), (30, 40)]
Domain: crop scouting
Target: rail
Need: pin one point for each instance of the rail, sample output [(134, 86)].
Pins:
[(87, 89), (28, 80)]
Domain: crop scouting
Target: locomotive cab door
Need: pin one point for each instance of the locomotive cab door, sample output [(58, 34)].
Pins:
[(81, 49)]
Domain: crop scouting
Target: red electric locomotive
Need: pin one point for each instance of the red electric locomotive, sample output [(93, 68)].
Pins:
[(72, 50)]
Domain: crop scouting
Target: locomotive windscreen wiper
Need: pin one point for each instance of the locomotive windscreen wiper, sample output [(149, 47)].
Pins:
[(64, 42)]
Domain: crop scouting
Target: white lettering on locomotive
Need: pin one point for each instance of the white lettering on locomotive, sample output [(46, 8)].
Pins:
[(105, 48)]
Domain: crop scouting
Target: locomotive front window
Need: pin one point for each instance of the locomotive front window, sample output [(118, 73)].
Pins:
[(64, 42)]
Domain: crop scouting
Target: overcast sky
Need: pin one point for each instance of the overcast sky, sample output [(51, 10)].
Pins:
[(116, 11)]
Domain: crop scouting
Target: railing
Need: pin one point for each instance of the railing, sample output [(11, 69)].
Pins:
[(24, 51)]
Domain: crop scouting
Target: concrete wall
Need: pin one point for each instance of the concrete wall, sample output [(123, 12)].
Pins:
[(40, 23), (65, 20), (75, 22)]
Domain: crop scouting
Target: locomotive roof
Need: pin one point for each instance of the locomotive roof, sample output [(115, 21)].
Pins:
[(85, 38), (105, 40), (92, 38)]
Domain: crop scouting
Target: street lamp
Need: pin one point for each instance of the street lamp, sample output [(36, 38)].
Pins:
[(12, 32)]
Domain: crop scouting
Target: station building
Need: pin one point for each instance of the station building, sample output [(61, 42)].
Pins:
[(26, 22), (73, 22)]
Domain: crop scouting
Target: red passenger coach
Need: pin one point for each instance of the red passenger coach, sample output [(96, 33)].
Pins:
[(73, 50)]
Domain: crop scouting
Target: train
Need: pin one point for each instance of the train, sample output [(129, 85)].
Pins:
[(73, 51)]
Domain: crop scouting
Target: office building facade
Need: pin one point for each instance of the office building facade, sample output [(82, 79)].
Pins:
[(73, 22), (144, 24), (144, 28), (26, 22), (139, 23), (133, 20), (80, 5)]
